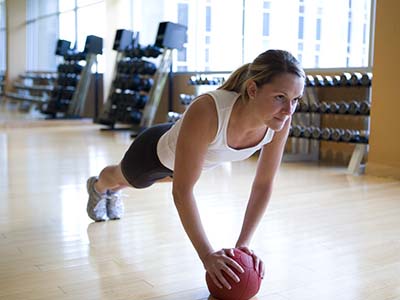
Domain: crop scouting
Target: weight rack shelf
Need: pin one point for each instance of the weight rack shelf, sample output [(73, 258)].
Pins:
[(311, 112)]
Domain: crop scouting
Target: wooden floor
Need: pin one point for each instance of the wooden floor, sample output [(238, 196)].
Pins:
[(326, 235)]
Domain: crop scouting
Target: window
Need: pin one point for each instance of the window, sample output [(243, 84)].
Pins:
[(3, 45), (266, 24), (248, 27), (42, 33), (222, 34), (49, 20)]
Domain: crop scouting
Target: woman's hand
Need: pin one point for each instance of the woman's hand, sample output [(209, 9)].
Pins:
[(219, 261), (258, 263)]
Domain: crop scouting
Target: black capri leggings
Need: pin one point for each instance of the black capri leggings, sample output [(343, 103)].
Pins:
[(141, 166)]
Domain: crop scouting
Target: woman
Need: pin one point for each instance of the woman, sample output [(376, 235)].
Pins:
[(252, 110)]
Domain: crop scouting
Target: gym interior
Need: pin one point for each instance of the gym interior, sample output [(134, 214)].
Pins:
[(80, 79)]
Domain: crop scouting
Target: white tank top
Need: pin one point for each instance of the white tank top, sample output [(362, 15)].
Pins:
[(218, 150)]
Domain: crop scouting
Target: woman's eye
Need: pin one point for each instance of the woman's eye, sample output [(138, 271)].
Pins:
[(280, 98)]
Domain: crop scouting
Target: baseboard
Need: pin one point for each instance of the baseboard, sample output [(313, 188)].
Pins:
[(382, 170)]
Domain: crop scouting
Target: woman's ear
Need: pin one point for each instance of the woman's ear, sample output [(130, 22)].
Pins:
[(251, 89)]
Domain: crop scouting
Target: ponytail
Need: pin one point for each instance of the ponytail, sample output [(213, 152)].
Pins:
[(236, 80), (262, 70)]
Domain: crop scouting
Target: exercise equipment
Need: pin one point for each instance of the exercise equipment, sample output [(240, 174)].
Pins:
[(250, 280), (74, 75), (138, 83)]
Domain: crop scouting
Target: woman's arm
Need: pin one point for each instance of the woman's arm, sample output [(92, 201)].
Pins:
[(267, 167), (197, 131)]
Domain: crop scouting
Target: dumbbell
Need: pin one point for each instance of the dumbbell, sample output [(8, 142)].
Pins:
[(310, 80), (343, 107), (134, 83), (336, 79), (349, 135), (141, 101), (328, 80), (355, 136), (337, 134), (148, 68), (77, 68), (151, 51), (135, 52), (345, 79), (364, 108), (316, 133), (319, 80), (173, 117), (186, 99), (356, 78), (146, 84), (297, 131), (324, 107), (354, 108), (334, 108), (135, 116), (61, 68), (326, 134), (307, 133), (366, 79)]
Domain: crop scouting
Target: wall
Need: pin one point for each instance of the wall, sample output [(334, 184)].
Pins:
[(16, 39), (384, 155)]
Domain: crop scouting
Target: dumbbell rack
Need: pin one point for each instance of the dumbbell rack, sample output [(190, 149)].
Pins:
[(69, 77), (135, 81), (305, 146)]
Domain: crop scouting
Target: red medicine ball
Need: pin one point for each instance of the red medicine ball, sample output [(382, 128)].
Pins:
[(250, 280)]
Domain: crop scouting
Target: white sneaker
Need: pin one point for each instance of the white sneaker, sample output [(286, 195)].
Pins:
[(97, 203), (115, 206)]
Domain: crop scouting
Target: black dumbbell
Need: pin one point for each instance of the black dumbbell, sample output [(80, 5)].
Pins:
[(333, 108), (354, 107), (134, 82), (135, 116), (319, 80), (173, 117), (146, 84), (151, 51), (356, 78), (337, 134), (186, 99), (324, 107), (310, 80), (343, 107), (345, 79), (307, 133), (328, 80), (141, 101), (336, 80), (366, 79), (365, 107), (316, 133), (326, 134), (297, 131)]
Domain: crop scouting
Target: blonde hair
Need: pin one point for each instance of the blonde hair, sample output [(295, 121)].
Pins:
[(262, 70)]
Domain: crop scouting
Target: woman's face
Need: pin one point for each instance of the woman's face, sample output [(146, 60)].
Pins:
[(276, 101)]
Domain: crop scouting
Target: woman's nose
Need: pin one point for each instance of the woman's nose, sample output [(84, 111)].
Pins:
[(290, 107)]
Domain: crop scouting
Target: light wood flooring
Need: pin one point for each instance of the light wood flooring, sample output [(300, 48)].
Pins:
[(326, 235)]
